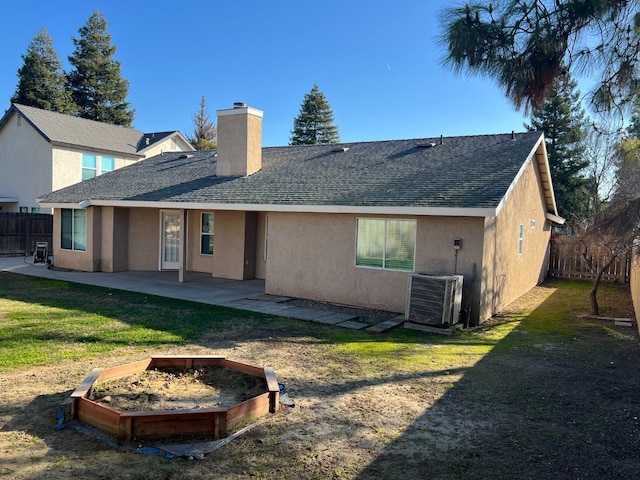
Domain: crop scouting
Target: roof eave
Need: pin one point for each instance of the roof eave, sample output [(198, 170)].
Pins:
[(555, 218), (352, 209), (97, 150)]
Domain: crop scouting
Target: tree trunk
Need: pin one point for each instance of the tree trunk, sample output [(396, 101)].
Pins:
[(595, 309)]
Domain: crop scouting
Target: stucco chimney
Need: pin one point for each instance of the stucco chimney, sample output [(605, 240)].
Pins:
[(239, 151)]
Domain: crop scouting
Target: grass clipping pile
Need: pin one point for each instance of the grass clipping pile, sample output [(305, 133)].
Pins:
[(178, 388)]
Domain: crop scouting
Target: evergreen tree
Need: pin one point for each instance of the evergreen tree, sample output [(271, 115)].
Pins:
[(314, 123), (96, 84), (524, 44), (41, 80), (205, 134), (562, 120)]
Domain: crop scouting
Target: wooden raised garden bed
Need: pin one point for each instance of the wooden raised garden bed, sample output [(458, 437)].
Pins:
[(216, 422)]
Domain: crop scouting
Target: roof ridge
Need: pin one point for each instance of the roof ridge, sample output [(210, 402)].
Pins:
[(395, 140), (20, 106)]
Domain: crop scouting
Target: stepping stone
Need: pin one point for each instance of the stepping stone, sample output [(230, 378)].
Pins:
[(384, 326), (353, 325), (333, 318)]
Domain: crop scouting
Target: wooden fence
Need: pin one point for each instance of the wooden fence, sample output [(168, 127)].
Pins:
[(19, 232), (567, 261)]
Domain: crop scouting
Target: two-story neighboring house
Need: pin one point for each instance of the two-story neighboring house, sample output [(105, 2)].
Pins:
[(42, 151)]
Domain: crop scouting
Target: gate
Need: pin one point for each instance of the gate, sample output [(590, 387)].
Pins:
[(19, 232), (567, 261)]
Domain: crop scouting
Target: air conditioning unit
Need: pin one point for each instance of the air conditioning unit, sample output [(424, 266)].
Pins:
[(434, 299)]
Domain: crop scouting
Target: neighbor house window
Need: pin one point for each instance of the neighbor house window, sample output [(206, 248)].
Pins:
[(74, 229), (206, 233), (35, 209), (107, 164), (520, 239), (89, 167), (383, 243)]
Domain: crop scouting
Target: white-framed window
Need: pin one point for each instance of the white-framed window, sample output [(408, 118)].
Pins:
[(94, 165), (386, 243), (520, 239), (73, 229), (89, 166), (533, 223), (107, 164), (207, 221)]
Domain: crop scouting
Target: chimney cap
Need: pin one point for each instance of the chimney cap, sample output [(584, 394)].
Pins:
[(239, 105)]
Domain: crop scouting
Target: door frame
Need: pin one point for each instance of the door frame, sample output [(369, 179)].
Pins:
[(162, 264)]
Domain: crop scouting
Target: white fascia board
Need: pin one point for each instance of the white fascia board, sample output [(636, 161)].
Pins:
[(555, 218), (243, 207)]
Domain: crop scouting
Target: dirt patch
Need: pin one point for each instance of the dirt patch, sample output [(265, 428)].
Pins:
[(511, 399), (176, 388)]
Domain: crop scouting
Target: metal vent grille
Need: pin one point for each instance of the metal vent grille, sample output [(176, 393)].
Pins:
[(434, 299)]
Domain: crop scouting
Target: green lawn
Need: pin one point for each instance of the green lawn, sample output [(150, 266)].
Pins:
[(537, 392), (45, 321)]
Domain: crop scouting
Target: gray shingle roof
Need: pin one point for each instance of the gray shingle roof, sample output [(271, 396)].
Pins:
[(462, 172), (69, 130)]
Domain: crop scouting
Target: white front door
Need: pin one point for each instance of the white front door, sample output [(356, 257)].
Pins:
[(170, 249)]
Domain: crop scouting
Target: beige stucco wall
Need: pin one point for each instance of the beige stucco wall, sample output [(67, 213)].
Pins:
[(261, 261), (229, 245), (144, 239), (232, 256), (67, 165), (25, 164), (506, 273), (239, 142), (196, 262), (87, 261), (114, 244), (313, 256), (173, 144)]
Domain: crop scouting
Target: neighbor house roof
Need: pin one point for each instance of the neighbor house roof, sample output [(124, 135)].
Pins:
[(70, 131), (468, 175)]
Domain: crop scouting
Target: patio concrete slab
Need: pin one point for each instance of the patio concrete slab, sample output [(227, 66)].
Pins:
[(198, 287)]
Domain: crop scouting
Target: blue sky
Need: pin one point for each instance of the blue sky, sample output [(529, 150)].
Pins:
[(378, 63)]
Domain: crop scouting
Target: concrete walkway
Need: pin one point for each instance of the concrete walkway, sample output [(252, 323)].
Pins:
[(198, 287)]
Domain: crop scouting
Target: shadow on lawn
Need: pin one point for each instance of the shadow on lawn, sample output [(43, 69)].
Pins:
[(542, 404)]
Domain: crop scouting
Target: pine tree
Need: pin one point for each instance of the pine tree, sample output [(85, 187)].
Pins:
[(314, 123), (562, 120), (96, 84), (524, 44), (41, 80), (205, 134)]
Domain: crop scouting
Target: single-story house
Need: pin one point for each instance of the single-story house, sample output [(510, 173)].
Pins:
[(42, 151), (344, 223)]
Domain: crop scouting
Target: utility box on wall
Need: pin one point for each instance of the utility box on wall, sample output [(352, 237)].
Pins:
[(434, 299)]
